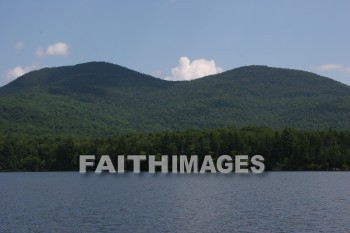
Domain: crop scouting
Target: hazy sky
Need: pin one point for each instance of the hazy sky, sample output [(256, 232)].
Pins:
[(176, 39)]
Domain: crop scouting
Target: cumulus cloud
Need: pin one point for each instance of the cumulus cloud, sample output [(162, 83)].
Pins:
[(60, 49), (57, 49), (19, 45), (335, 67), (187, 70), (18, 71)]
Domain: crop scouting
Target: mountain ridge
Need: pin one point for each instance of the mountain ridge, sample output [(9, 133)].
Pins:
[(99, 98), (48, 75)]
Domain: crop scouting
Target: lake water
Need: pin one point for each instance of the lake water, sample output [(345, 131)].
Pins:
[(271, 202)]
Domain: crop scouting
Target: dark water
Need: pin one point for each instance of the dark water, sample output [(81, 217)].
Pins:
[(272, 202)]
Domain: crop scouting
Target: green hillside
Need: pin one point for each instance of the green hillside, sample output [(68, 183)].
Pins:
[(101, 99)]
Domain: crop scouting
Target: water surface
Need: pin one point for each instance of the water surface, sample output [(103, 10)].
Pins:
[(272, 202)]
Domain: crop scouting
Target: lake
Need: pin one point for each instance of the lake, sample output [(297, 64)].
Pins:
[(269, 202)]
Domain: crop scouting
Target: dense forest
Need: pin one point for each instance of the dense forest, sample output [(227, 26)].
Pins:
[(287, 149), (51, 116)]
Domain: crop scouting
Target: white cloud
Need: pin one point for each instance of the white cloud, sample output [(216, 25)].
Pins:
[(334, 67), (327, 67), (57, 49), (60, 49), (18, 71), (187, 70), (19, 45)]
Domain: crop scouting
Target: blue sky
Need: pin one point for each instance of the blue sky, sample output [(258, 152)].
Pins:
[(176, 39)]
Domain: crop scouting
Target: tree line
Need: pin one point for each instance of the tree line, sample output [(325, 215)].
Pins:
[(285, 149)]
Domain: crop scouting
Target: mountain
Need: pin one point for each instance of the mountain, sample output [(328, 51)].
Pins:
[(102, 99)]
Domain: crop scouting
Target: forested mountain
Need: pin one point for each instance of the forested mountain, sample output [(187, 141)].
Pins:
[(101, 99)]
